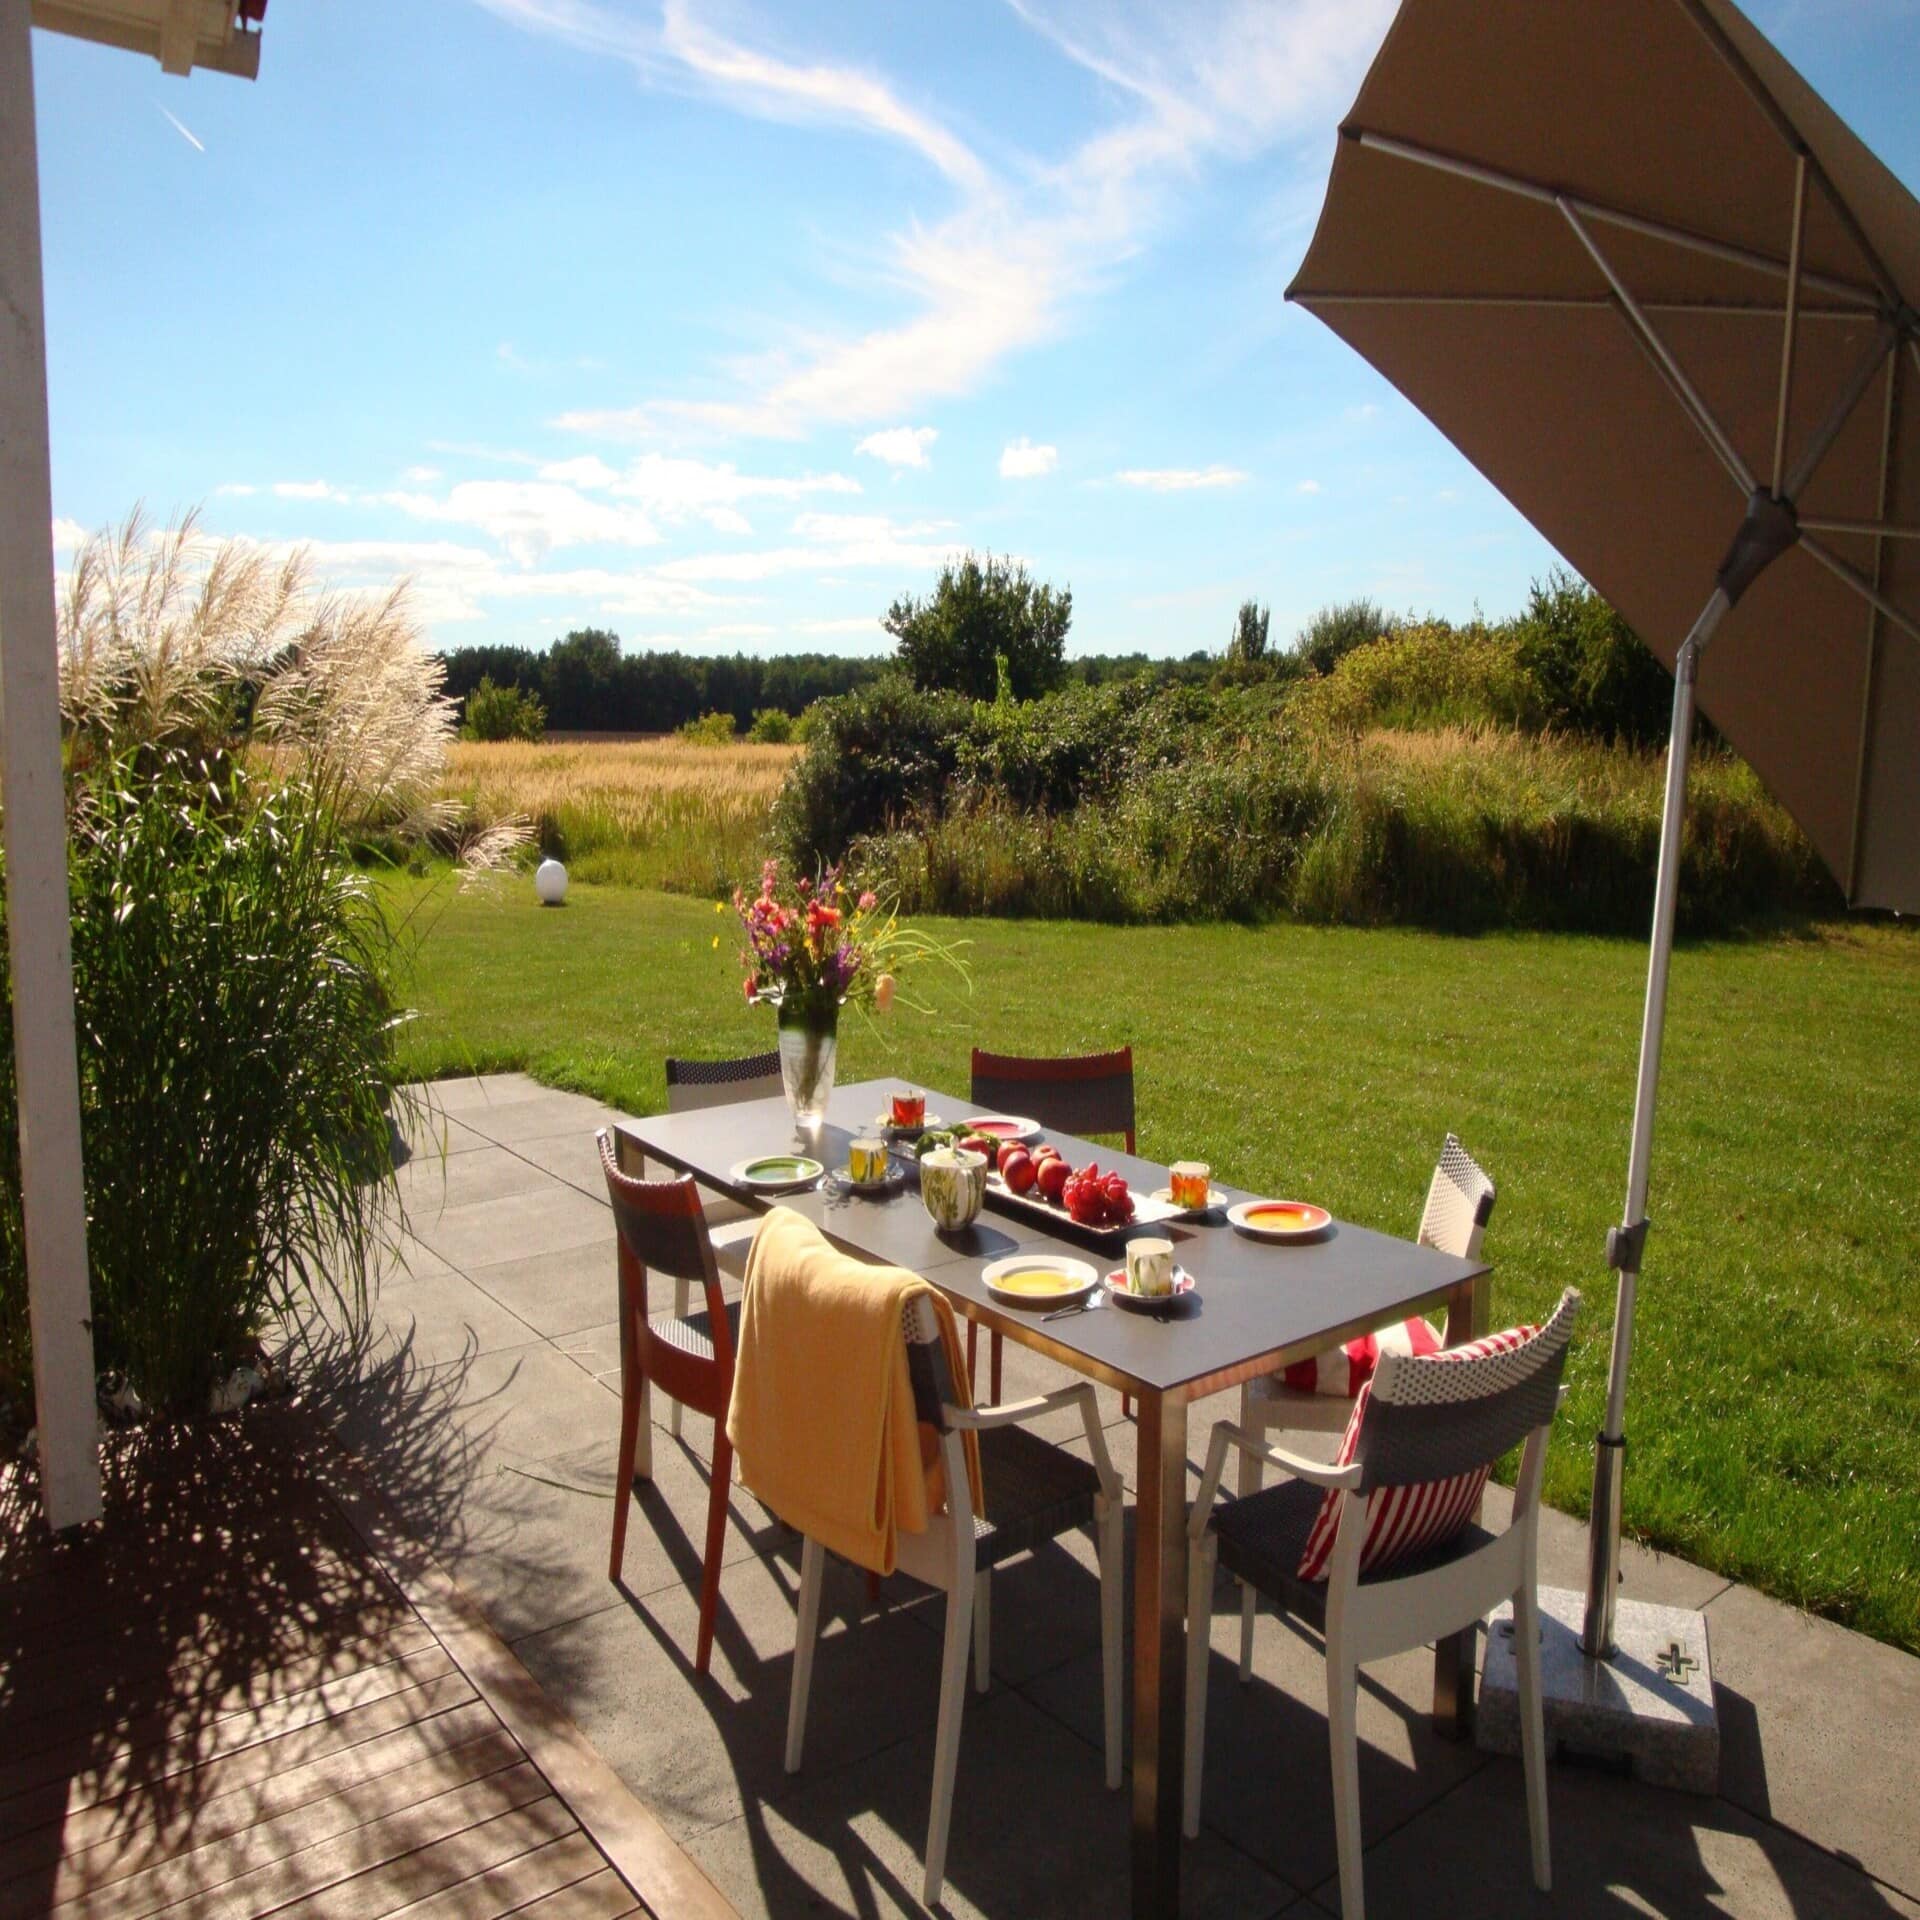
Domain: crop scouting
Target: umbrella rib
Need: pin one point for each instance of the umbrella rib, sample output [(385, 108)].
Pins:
[(1864, 746), (1787, 336), (1610, 215), (1571, 302), (1742, 69), (1702, 415), (1867, 529), (1858, 581)]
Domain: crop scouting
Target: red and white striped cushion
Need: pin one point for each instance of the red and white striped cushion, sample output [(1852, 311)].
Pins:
[(1404, 1520), (1343, 1371)]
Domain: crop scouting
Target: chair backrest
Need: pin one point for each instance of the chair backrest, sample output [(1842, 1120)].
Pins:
[(1430, 1417), (1459, 1203), (718, 1083), (662, 1227), (1085, 1093)]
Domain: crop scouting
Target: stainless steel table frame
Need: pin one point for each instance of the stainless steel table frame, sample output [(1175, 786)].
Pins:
[(1258, 1307)]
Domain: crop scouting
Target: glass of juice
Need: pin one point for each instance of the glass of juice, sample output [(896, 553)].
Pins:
[(909, 1109), (1191, 1182)]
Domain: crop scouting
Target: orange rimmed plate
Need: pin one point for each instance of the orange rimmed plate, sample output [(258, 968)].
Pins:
[(1279, 1220)]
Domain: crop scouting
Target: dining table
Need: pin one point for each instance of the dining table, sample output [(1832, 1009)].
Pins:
[(1255, 1306)]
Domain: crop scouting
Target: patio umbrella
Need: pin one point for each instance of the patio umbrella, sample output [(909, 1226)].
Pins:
[(1644, 278)]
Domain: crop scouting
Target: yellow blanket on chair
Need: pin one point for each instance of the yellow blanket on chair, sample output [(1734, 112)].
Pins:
[(822, 1417)]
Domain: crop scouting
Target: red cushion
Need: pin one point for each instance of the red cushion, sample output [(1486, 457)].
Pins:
[(1343, 1371), (1404, 1520)]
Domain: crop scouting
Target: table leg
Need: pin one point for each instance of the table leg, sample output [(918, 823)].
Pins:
[(1159, 1656), (1453, 1656)]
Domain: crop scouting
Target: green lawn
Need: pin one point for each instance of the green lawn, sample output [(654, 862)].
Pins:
[(1775, 1411)]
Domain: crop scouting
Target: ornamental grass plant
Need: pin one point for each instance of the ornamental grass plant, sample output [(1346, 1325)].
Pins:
[(232, 736)]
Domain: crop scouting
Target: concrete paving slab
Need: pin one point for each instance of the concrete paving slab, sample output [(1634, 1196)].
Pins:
[(468, 1093), (430, 1186), (430, 1134), (1618, 1849), (711, 1750), (442, 1316), (552, 1116), (518, 1226), (563, 1292), (409, 1260), (537, 1402), (1820, 1730), (1035, 1834), (572, 1157), (1660, 1579)]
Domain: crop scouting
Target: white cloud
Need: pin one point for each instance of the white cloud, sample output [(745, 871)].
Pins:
[(531, 518), (900, 446), (422, 476), (587, 471), (1226, 79), (235, 489), (1022, 460), (831, 542), (857, 623), (308, 490), (1181, 479), (68, 535), (1308, 486), (739, 630)]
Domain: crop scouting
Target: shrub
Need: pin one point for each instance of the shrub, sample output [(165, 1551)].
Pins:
[(503, 713), (978, 613), (772, 727), (231, 990), (710, 730), (1425, 675), (1336, 630), (1593, 673)]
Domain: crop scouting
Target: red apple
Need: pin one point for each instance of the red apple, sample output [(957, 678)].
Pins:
[(1051, 1174), (1017, 1170)]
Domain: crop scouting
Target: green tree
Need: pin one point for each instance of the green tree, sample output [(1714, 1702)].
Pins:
[(1249, 642), (978, 611), (772, 726), (582, 678), (503, 713), (1336, 630)]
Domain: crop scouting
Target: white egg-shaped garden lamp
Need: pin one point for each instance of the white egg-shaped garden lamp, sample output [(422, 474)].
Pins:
[(550, 883)]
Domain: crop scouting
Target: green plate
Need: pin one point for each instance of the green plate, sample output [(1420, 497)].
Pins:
[(776, 1172)]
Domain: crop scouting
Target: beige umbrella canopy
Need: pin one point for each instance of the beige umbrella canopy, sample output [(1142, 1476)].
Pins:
[(1641, 275), (1638, 242)]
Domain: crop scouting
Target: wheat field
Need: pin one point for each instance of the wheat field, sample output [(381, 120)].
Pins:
[(659, 813)]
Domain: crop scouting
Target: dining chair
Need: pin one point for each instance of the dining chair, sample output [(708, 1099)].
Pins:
[(1303, 1399), (689, 1357), (1033, 1491), (1379, 1551), (1083, 1094), (693, 1084)]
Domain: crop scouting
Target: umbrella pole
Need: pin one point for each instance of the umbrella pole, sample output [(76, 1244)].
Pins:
[(1625, 1242)]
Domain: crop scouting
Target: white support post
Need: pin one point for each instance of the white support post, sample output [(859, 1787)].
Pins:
[(32, 791)]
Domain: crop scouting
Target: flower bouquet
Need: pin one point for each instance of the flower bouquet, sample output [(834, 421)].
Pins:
[(812, 947)]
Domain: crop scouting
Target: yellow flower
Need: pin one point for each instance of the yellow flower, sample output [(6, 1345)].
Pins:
[(719, 906), (716, 943)]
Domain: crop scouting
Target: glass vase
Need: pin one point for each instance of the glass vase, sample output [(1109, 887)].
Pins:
[(809, 1043)]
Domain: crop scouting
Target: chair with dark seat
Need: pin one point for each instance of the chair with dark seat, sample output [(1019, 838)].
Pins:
[(1082, 1094), (1033, 1492), (1423, 1436), (689, 1357)]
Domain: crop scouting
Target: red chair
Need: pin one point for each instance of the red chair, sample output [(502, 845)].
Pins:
[(689, 1357), (1082, 1094)]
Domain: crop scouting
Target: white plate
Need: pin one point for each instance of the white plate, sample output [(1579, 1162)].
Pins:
[(998, 1273), (775, 1172), (883, 1123), (1123, 1295), (1002, 1126), (1216, 1197), (1308, 1223)]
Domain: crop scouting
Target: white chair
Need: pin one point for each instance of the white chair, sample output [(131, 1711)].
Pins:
[(1459, 1204), (692, 1084), (1034, 1491), (1427, 1420)]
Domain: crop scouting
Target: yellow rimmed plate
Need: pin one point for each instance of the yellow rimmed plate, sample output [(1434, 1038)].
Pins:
[(1039, 1280)]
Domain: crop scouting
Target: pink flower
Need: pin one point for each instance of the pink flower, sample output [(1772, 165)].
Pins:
[(883, 993), (868, 901)]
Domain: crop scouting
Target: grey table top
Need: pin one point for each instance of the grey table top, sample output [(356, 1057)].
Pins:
[(1255, 1305)]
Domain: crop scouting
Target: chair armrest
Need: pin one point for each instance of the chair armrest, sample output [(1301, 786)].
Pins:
[(1016, 1412), (1225, 1435)]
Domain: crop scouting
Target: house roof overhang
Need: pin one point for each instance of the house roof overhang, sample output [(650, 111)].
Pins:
[(222, 35)]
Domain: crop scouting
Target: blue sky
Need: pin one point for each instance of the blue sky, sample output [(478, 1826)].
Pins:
[(721, 325)]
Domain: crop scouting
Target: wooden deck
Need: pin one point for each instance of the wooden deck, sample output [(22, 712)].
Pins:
[(222, 1702)]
